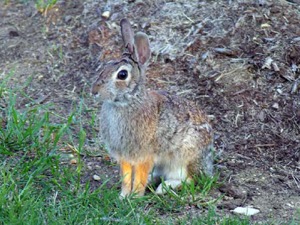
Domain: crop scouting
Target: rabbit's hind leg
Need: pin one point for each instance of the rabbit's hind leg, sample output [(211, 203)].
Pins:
[(174, 179)]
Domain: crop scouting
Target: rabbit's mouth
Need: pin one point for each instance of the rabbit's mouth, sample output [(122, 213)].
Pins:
[(125, 98), (121, 99)]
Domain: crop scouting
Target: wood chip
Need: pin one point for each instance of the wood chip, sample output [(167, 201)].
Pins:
[(224, 51), (268, 63), (275, 105), (265, 25), (275, 66), (295, 86), (106, 14)]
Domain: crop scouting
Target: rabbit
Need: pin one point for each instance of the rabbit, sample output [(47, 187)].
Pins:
[(149, 133)]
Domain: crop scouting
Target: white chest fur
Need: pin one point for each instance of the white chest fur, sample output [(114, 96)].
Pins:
[(126, 132)]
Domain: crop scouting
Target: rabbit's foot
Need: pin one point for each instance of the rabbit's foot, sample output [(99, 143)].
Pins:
[(124, 193), (141, 172), (123, 196), (163, 187)]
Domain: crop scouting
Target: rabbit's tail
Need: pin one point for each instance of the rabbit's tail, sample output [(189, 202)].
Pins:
[(203, 164), (208, 160)]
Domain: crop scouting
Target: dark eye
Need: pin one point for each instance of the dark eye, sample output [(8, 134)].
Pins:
[(122, 75)]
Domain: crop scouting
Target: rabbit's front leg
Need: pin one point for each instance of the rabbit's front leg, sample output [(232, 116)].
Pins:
[(141, 172), (126, 175)]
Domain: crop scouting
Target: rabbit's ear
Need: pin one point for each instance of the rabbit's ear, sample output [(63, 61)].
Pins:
[(127, 34), (142, 45)]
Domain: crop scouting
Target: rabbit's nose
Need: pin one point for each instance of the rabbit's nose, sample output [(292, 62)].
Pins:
[(94, 92), (95, 89)]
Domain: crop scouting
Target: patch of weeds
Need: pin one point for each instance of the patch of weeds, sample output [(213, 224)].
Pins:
[(28, 162), (87, 118), (44, 5), (93, 122), (192, 194)]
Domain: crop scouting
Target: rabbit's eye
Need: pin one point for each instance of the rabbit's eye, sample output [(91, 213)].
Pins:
[(122, 75)]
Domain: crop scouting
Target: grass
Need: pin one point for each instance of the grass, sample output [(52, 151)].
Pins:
[(41, 5), (36, 188), (44, 5)]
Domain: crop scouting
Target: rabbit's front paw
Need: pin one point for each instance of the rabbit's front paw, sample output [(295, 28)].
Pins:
[(122, 196)]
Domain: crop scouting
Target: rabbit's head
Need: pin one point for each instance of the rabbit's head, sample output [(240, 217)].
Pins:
[(124, 78)]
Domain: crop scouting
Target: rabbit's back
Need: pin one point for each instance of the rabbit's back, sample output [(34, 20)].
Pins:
[(181, 121), (183, 131)]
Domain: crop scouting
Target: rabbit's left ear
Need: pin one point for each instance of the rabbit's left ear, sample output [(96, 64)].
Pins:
[(141, 42), (128, 36)]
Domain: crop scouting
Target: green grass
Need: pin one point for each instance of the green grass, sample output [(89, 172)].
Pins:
[(37, 188), (43, 5)]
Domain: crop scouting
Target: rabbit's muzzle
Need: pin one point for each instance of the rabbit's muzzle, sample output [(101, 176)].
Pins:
[(104, 91), (99, 90), (95, 89)]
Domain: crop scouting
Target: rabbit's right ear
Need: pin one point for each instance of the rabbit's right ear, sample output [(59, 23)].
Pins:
[(128, 35), (141, 42)]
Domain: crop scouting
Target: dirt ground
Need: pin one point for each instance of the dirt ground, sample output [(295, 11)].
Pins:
[(240, 60)]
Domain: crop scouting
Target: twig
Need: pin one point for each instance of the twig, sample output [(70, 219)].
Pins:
[(188, 17), (296, 180), (225, 74), (264, 145)]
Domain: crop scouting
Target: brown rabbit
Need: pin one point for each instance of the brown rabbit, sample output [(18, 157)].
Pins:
[(149, 131)]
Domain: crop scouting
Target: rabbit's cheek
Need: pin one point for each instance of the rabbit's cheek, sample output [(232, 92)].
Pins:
[(121, 85), (105, 94)]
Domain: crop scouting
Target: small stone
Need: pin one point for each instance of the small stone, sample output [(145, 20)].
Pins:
[(73, 161), (248, 211), (89, 167), (68, 19), (275, 105), (96, 177), (106, 14)]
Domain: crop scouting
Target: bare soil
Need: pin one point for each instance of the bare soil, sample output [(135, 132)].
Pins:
[(240, 60)]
